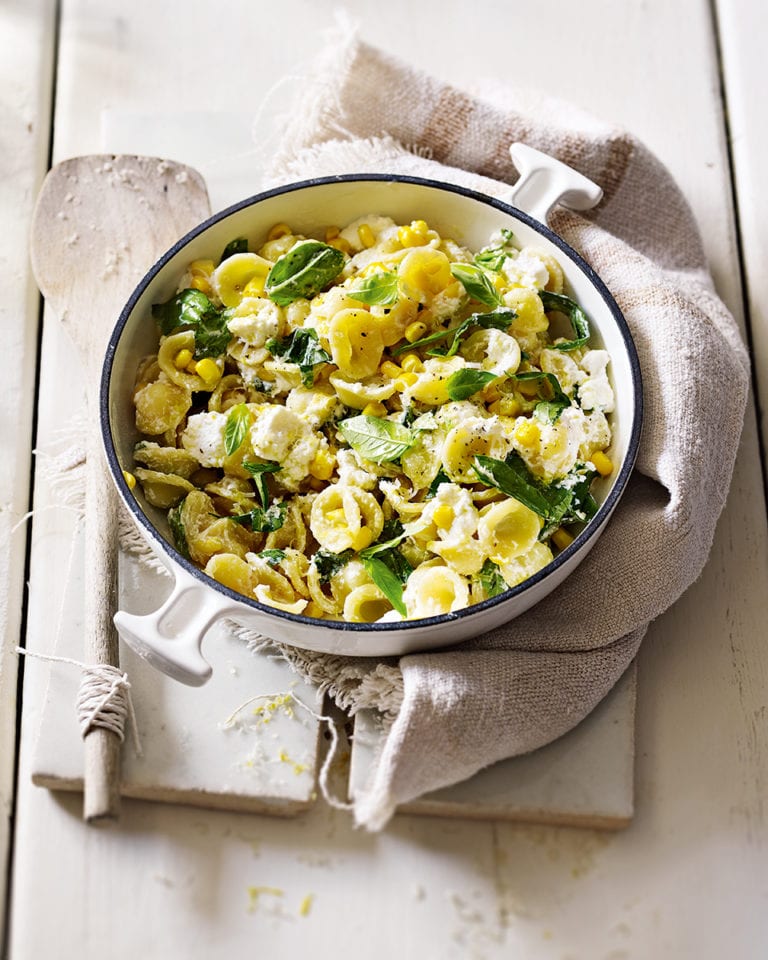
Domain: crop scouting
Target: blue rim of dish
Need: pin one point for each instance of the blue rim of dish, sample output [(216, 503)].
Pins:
[(591, 528)]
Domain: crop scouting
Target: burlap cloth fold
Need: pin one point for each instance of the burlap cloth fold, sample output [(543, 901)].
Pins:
[(526, 683)]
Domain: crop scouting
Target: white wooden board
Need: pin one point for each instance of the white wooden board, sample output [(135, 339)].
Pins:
[(262, 761)]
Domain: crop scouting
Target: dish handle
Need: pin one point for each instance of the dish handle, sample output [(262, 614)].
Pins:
[(170, 638), (545, 181)]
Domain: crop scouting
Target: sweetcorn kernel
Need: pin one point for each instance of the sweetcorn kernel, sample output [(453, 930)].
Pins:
[(201, 284), (321, 467), (528, 433), (443, 516), (389, 369), (419, 226), (602, 463), (374, 409), (331, 233), (129, 479), (412, 363), (415, 331), (561, 538), (182, 359), (191, 367), (279, 230), (405, 380), (208, 371), (339, 243), (366, 236)]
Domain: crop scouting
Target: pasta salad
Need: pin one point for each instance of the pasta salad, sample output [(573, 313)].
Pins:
[(375, 426)]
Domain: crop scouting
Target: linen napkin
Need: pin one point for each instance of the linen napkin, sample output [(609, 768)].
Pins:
[(524, 684)]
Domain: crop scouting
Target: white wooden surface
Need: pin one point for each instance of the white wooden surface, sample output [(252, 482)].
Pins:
[(26, 32), (690, 876)]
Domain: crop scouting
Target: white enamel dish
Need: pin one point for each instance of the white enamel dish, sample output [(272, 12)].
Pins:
[(171, 637)]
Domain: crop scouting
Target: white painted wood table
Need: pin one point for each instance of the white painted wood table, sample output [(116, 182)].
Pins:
[(689, 877)]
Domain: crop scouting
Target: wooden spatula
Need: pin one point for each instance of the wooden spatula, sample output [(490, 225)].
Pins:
[(86, 278)]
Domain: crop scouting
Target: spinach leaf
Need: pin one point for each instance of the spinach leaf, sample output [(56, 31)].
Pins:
[(389, 582), (328, 564), (301, 347), (264, 521), (464, 383), (579, 320), (442, 477), (304, 271), (513, 478), (379, 288), (476, 283), (239, 245), (212, 335), (582, 505), (496, 319), (491, 580), (262, 386), (257, 471), (376, 439), (492, 258), (566, 501), (391, 536), (191, 308), (552, 399), (178, 532), (239, 420), (273, 557)]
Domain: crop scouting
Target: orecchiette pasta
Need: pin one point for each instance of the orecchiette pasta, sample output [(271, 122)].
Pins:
[(373, 424)]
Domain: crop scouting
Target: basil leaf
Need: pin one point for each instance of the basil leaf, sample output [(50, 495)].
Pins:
[(376, 439), (383, 545), (512, 477), (273, 557), (264, 521), (491, 580), (387, 581), (257, 471), (184, 309), (236, 428), (496, 319), (304, 271), (239, 245), (492, 258), (476, 283), (442, 477), (178, 531), (379, 288), (551, 396), (579, 320), (464, 383), (328, 564), (303, 348), (191, 308)]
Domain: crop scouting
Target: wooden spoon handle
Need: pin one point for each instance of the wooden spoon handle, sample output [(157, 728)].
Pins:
[(102, 746)]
